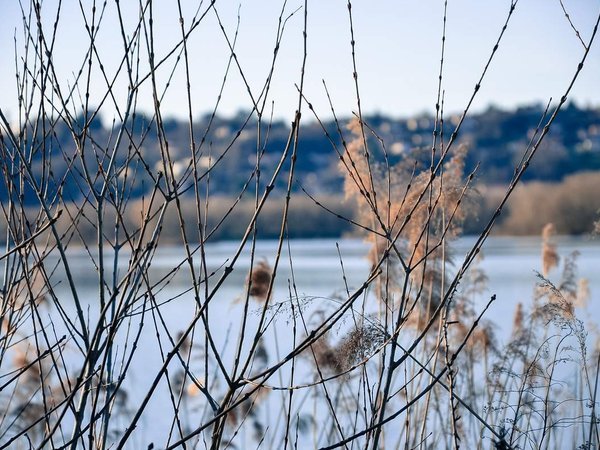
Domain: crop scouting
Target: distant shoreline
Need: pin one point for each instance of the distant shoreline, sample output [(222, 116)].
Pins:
[(572, 205)]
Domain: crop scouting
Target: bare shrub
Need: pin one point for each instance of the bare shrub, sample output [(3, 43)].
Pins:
[(116, 327)]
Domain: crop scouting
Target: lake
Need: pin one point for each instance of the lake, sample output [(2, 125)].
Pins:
[(510, 263), (316, 272)]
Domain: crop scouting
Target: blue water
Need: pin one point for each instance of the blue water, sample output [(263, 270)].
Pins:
[(314, 270)]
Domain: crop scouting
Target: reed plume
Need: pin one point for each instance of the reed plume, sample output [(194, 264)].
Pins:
[(259, 280), (550, 258)]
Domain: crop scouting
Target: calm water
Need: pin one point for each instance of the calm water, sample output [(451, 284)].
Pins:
[(316, 272), (316, 269)]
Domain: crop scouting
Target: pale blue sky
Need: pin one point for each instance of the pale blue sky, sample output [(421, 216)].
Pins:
[(397, 43)]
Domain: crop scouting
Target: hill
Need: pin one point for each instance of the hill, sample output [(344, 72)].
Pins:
[(231, 147)]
